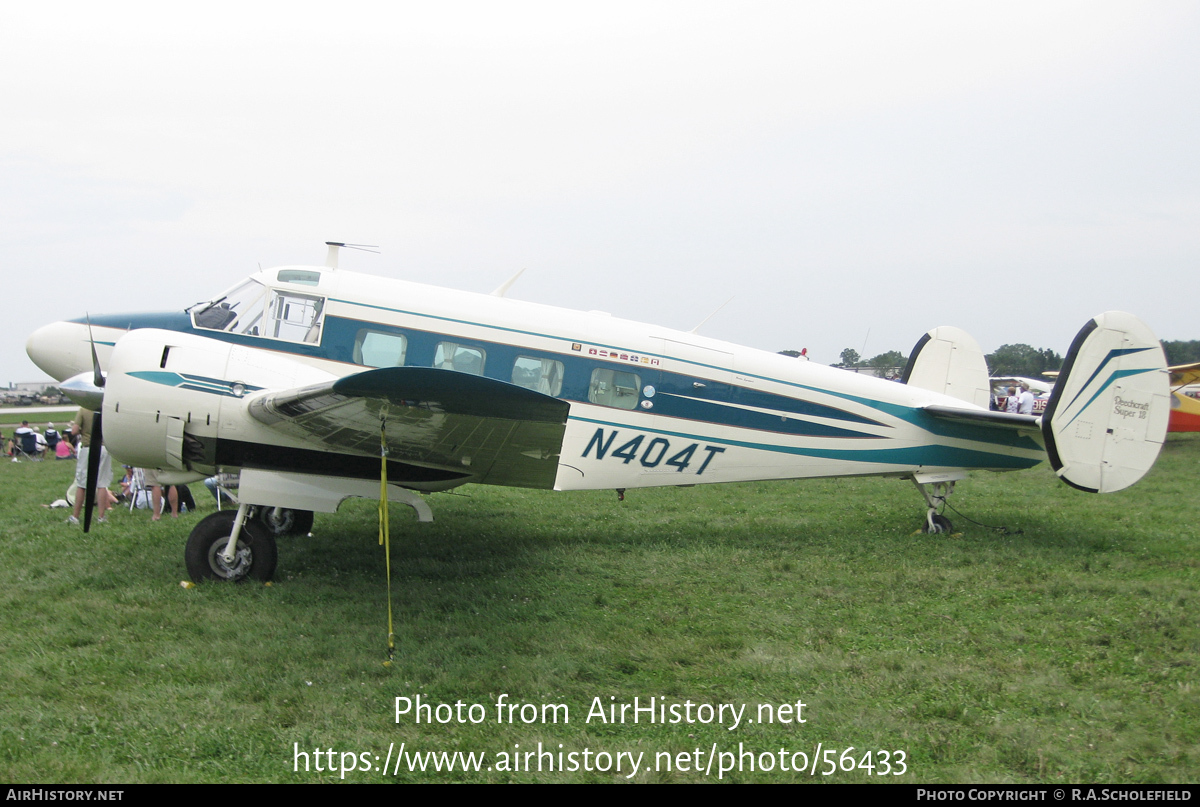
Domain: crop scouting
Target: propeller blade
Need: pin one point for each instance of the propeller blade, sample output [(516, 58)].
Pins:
[(97, 373), (93, 472)]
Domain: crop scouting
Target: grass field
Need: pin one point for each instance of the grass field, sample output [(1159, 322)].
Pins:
[(14, 416), (1064, 649)]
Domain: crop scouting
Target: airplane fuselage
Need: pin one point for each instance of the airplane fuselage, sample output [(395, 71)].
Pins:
[(648, 405)]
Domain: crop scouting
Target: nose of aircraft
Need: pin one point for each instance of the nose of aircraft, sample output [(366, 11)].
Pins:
[(61, 349)]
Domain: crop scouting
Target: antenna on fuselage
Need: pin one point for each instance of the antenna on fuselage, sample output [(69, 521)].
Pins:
[(503, 288), (710, 316), (331, 257)]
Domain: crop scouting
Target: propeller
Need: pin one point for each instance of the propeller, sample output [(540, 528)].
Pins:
[(93, 471), (96, 441)]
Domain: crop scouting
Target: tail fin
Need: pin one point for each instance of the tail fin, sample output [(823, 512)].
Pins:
[(1107, 417), (949, 361)]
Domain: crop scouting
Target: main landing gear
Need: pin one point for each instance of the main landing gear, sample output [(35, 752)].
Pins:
[(936, 489), (254, 555), (284, 520), (240, 545)]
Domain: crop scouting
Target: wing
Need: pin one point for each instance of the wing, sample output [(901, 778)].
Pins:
[(484, 430), (1184, 374)]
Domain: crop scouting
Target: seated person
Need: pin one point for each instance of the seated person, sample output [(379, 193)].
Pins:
[(52, 436), (64, 450), (126, 484), (221, 485)]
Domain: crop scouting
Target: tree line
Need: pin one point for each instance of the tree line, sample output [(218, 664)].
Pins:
[(1180, 352), (1019, 359)]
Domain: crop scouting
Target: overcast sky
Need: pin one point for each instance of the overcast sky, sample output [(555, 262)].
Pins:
[(853, 172)]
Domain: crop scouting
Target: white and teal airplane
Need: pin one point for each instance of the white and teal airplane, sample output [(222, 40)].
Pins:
[(301, 377)]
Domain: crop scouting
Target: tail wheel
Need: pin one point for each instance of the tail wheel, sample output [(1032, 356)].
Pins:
[(254, 557), (938, 524)]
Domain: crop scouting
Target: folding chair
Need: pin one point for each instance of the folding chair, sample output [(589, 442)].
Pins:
[(138, 489), (26, 445), (222, 486)]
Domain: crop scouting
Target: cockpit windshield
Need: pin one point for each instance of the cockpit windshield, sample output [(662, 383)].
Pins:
[(252, 309)]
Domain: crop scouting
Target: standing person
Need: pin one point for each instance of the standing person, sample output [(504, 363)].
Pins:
[(1012, 402), (82, 428), (1025, 406), (156, 494)]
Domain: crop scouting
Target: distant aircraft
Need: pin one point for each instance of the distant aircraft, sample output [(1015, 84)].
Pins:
[(300, 376), (1185, 398)]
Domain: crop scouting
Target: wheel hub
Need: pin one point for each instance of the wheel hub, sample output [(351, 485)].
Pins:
[(243, 559)]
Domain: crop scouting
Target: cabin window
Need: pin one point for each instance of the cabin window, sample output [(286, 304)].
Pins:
[(540, 375), (460, 358), (615, 388), (379, 349)]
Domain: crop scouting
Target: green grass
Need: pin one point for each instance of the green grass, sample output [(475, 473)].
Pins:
[(14, 417), (1062, 650)]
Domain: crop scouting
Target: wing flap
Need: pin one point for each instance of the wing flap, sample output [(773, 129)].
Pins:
[(495, 432)]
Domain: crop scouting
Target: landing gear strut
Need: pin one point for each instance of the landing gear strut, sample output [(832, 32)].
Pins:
[(936, 489)]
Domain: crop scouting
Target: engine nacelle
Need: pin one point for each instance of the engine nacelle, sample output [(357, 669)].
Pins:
[(161, 385), (170, 397)]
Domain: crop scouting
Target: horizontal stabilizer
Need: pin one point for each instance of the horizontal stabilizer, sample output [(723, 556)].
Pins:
[(948, 360), (1107, 417), (1004, 420)]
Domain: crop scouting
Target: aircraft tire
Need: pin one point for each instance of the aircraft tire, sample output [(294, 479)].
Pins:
[(256, 554), (941, 525), (290, 522)]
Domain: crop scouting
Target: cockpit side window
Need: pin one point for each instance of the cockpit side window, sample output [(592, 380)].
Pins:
[(296, 317), (252, 309)]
